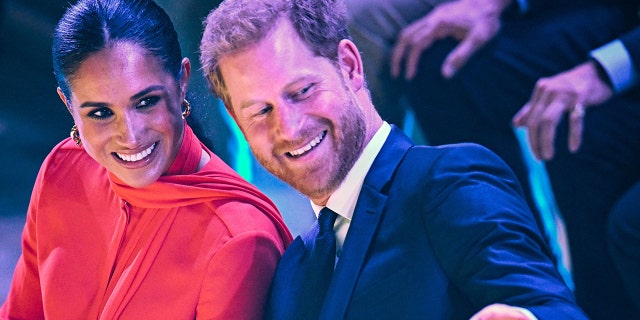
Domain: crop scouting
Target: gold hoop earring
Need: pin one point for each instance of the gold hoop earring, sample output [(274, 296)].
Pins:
[(75, 135), (187, 109)]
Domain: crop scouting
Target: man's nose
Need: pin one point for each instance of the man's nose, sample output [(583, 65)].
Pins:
[(287, 120)]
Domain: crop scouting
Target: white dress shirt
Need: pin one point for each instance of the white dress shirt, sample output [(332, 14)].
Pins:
[(343, 200)]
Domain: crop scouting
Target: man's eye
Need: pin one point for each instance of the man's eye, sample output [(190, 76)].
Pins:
[(305, 89), (264, 110), (100, 114), (148, 102), (303, 93)]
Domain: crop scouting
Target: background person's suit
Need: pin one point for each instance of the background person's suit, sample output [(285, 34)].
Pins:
[(478, 103)]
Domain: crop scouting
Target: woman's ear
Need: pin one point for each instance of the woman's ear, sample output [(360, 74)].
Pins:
[(64, 100), (351, 64), (184, 77)]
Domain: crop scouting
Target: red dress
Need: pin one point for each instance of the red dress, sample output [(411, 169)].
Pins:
[(191, 245)]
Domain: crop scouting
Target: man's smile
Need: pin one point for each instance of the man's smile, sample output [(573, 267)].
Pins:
[(314, 142)]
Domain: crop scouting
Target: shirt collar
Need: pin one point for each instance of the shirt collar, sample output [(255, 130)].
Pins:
[(343, 200)]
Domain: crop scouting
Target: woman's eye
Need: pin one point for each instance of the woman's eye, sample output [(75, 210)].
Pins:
[(100, 114), (148, 102)]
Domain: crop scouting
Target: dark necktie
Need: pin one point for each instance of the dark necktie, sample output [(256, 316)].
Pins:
[(324, 246), (304, 272), (321, 261)]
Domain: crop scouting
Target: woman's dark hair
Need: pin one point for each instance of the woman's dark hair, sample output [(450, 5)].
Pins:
[(92, 25)]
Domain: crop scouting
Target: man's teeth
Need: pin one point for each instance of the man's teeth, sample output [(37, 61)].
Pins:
[(308, 147), (137, 156)]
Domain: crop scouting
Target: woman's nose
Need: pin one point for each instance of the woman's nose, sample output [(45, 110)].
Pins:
[(129, 126)]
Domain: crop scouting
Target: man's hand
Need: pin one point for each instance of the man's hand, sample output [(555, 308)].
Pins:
[(571, 91), (472, 22), (500, 312)]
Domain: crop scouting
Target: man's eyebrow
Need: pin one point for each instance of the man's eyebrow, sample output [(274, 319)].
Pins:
[(297, 80)]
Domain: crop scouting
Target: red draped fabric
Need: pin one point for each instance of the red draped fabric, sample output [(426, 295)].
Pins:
[(196, 243)]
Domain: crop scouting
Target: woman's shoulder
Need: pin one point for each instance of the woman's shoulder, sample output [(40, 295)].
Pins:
[(68, 172), (66, 149), (68, 160), (241, 218)]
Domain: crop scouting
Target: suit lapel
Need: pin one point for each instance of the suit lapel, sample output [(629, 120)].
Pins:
[(366, 218), (287, 277)]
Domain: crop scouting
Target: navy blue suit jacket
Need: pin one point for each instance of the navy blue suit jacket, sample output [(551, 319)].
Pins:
[(437, 233)]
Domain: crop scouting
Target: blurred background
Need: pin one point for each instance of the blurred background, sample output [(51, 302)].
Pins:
[(33, 119)]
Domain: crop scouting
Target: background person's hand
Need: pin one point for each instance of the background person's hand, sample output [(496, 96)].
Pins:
[(571, 91), (472, 22), (500, 312)]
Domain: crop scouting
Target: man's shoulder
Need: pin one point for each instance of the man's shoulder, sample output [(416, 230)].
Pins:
[(433, 163), (463, 151)]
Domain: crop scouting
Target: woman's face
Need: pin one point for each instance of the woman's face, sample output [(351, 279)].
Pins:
[(128, 112)]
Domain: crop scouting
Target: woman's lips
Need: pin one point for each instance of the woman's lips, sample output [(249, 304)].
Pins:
[(138, 156)]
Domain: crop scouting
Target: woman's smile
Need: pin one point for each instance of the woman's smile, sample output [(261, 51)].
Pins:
[(136, 157)]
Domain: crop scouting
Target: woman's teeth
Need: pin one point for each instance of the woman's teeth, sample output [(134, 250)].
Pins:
[(309, 146), (137, 156)]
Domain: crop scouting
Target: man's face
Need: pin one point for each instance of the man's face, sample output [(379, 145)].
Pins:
[(296, 110)]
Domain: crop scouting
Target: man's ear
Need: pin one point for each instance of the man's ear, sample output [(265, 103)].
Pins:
[(351, 64), (64, 100)]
